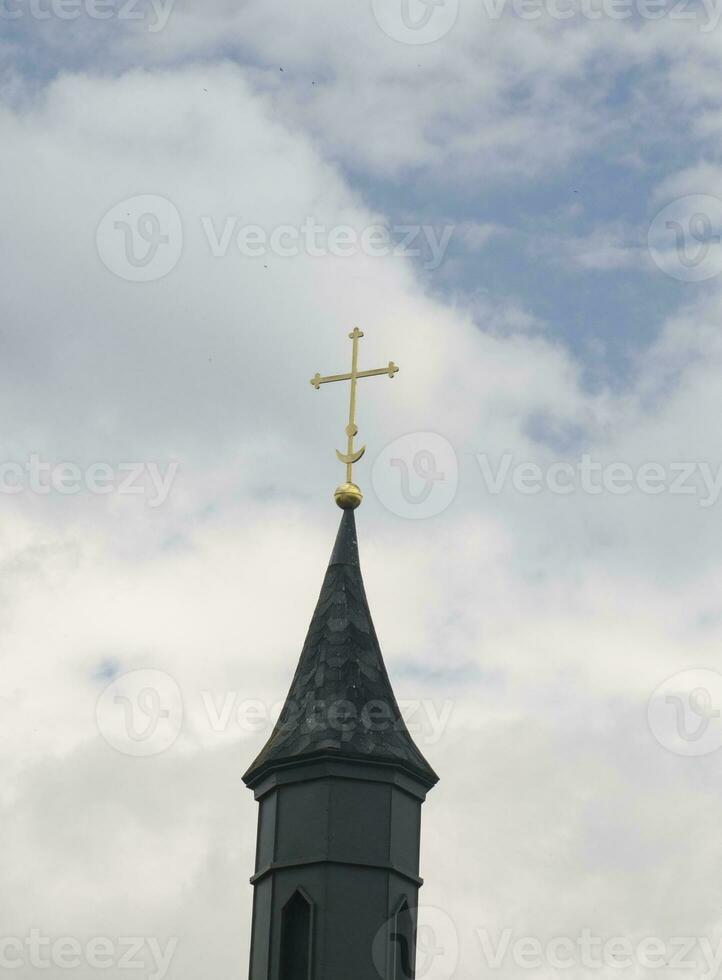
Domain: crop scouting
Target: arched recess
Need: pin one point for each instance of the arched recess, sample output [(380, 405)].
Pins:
[(296, 936), (403, 942)]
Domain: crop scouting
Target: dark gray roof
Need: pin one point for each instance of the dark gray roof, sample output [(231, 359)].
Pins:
[(341, 704)]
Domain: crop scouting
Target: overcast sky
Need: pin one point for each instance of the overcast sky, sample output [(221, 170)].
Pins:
[(521, 205)]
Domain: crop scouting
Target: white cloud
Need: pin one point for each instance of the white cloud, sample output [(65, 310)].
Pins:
[(547, 620)]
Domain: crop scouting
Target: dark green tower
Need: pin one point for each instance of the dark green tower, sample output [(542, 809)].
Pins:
[(340, 785)]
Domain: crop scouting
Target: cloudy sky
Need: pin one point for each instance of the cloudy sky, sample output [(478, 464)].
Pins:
[(520, 203)]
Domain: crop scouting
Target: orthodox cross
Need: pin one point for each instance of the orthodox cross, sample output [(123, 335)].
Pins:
[(348, 494)]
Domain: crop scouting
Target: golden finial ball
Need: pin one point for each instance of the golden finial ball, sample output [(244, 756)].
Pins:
[(348, 496)]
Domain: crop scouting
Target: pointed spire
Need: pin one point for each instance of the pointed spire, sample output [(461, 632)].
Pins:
[(341, 704), (345, 550)]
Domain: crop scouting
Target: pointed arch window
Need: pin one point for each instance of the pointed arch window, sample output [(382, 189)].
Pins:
[(296, 926), (403, 941)]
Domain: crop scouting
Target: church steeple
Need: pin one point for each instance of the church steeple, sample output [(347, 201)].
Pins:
[(340, 785), (341, 703)]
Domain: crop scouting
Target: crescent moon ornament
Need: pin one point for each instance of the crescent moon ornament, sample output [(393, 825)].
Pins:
[(350, 458)]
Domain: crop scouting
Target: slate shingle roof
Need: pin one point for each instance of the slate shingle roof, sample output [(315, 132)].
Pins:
[(341, 703)]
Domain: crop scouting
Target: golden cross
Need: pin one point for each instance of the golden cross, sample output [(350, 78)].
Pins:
[(348, 494)]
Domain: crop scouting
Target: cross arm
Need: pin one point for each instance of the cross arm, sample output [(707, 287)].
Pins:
[(391, 370)]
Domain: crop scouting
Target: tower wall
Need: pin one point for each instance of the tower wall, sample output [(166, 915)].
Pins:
[(346, 837)]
